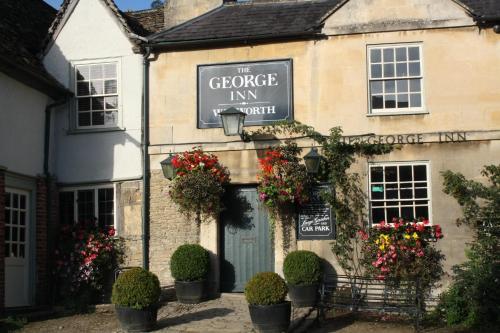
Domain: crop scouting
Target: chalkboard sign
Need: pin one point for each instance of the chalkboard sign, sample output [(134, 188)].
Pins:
[(315, 218)]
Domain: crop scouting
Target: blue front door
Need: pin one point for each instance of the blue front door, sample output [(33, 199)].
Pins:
[(246, 244)]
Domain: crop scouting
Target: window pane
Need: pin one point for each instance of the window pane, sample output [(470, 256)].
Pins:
[(66, 207), (401, 54), (7, 249), (98, 103), (414, 68), (376, 174), (402, 86), (82, 88), (420, 193), (389, 70), (375, 55), (377, 102), (376, 71), (83, 104), (378, 215), (376, 87), (391, 194), (413, 53), (97, 118), (391, 174), (422, 212), (82, 73), (388, 55), (110, 87), (406, 194), (96, 72), (15, 200), (110, 71), (420, 172), (22, 201), (415, 85), (7, 234), (390, 101), (85, 203), (84, 119), (402, 100), (7, 215), (22, 234), (22, 218), (111, 102), (8, 200), (405, 173), (15, 217), (390, 86), (415, 100), (407, 213), (106, 199), (392, 213), (13, 235), (110, 118), (377, 192), (21, 250), (97, 87), (401, 70)]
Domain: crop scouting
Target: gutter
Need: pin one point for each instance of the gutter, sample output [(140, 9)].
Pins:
[(242, 40), (145, 159)]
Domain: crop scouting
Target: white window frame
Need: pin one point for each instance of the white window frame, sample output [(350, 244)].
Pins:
[(397, 164), (73, 119), (396, 111), (95, 188)]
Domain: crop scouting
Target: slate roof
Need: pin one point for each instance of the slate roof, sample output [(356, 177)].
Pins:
[(145, 22), (23, 26), (483, 8), (261, 19), (256, 19)]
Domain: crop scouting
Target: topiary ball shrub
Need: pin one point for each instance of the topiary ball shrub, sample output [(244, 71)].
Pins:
[(302, 268), (136, 288), (266, 288), (190, 262)]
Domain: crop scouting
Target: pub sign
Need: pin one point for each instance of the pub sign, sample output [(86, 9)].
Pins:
[(315, 218), (263, 90)]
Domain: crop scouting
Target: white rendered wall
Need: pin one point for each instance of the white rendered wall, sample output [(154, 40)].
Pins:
[(22, 127), (93, 33)]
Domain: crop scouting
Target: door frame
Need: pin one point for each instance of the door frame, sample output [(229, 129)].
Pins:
[(15, 182)]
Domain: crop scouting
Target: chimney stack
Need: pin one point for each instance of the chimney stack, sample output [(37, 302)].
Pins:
[(179, 11)]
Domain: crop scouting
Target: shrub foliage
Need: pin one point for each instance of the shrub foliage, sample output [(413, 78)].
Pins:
[(136, 288), (190, 262), (302, 268), (266, 288)]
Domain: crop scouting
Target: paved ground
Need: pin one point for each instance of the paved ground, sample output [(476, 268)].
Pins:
[(227, 314)]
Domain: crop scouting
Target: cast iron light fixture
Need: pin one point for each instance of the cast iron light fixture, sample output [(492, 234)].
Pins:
[(232, 121), (168, 168), (312, 160)]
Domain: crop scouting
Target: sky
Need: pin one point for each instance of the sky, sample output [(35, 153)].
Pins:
[(122, 4)]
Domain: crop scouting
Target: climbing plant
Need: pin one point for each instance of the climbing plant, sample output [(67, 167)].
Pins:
[(346, 196)]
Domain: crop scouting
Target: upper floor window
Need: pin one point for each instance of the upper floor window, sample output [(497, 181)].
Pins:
[(399, 190), (395, 78), (96, 87)]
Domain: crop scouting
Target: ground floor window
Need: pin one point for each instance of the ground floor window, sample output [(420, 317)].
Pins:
[(88, 204), (399, 190)]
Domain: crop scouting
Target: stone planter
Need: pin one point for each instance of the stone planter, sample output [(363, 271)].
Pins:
[(271, 318), (303, 296), (190, 292), (133, 320)]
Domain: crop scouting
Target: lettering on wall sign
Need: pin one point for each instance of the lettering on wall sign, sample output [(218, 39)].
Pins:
[(315, 218), (412, 138), (263, 90)]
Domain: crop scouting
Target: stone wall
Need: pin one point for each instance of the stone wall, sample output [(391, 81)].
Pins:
[(168, 229)]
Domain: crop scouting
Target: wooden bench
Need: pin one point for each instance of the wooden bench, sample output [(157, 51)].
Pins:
[(361, 294)]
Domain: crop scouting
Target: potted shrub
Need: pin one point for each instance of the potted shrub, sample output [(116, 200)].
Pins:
[(190, 265), (135, 295), (302, 270), (265, 294)]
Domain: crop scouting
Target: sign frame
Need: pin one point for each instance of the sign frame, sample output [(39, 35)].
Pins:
[(332, 221), (290, 89)]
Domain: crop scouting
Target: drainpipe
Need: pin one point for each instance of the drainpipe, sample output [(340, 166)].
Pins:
[(46, 172), (145, 161)]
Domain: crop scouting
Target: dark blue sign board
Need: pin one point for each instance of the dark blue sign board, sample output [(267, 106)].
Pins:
[(263, 90), (315, 220)]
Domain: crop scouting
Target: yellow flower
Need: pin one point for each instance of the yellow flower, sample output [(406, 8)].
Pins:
[(382, 247), (406, 236), (415, 235)]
